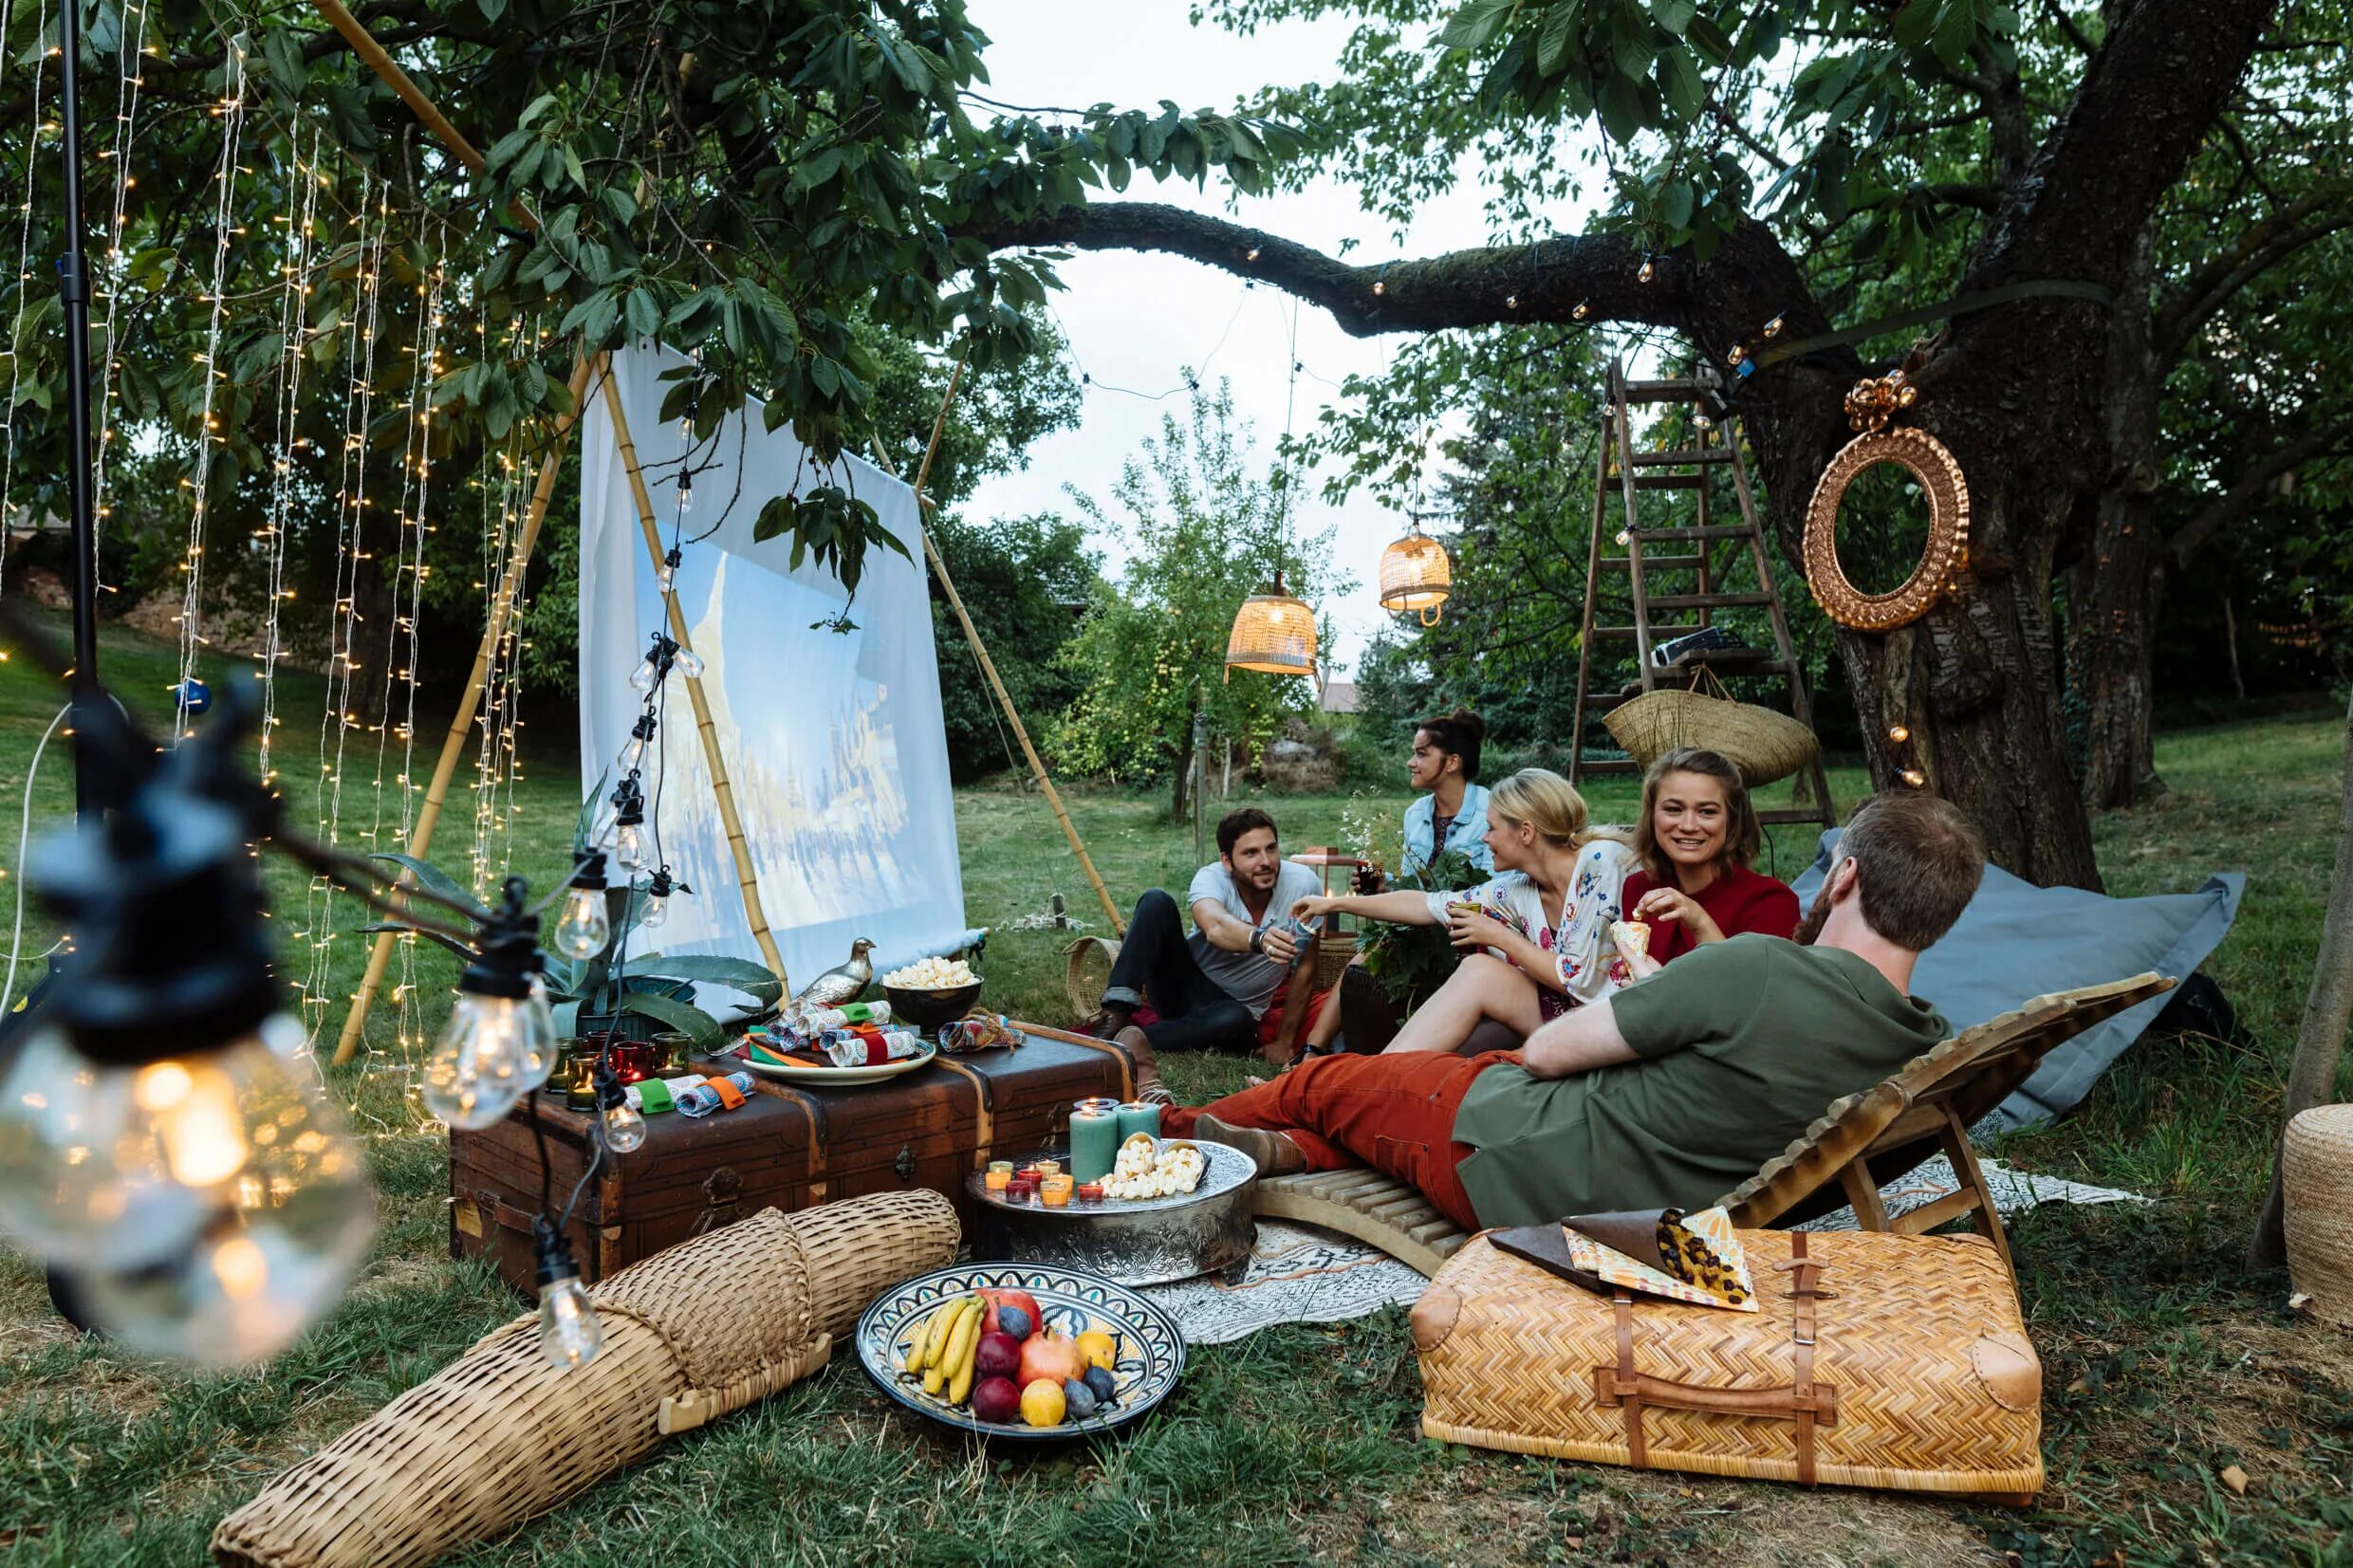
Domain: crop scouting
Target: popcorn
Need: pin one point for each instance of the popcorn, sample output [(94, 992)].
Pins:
[(933, 974), (1145, 1169)]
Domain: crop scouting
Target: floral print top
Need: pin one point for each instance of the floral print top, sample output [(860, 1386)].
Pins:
[(1582, 950)]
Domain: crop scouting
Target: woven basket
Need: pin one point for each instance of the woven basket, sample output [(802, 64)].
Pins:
[(1933, 1385), (500, 1436), (2316, 1178), (1086, 974), (1765, 745), (1333, 955)]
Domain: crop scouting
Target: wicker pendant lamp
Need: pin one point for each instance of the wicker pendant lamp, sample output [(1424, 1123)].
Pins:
[(1273, 632), (1416, 574)]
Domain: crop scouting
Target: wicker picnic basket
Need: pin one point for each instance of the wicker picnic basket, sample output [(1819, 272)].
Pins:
[(1766, 745), (1901, 1364), (500, 1436), (2316, 1180), (1086, 973)]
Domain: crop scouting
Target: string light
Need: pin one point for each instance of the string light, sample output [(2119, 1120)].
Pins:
[(1649, 270), (24, 294), (1897, 733), (192, 590)]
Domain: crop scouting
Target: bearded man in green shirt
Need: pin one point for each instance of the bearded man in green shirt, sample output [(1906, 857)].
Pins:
[(1669, 1092)]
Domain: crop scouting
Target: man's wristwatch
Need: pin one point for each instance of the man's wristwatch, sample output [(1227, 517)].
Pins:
[(1258, 939)]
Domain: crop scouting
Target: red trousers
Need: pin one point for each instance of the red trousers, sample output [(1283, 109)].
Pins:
[(1392, 1112)]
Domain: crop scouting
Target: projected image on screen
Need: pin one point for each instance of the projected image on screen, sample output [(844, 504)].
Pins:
[(832, 742)]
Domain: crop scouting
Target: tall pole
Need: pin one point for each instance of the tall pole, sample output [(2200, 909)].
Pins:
[(74, 288)]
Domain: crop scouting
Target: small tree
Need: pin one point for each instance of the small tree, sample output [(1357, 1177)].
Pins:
[(1206, 530)]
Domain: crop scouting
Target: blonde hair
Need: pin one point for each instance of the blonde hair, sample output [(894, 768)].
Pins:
[(1549, 803)]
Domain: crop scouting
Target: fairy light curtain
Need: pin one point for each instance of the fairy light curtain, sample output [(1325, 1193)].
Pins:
[(832, 740)]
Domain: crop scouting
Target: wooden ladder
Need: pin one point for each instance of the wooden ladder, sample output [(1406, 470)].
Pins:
[(1701, 564)]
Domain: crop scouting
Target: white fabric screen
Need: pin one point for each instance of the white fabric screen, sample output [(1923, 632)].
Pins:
[(833, 741)]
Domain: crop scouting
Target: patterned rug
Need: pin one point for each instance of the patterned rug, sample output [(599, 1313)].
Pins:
[(1300, 1274)]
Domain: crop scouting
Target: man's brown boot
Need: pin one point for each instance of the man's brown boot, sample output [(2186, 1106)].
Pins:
[(1276, 1154)]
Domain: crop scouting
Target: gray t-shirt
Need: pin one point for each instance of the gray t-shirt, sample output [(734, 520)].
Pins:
[(1245, 976)]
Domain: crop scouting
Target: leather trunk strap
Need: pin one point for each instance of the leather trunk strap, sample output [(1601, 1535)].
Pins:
[(1630, 1384), (1801, 1287)]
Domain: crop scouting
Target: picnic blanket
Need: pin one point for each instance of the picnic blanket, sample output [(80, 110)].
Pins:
[(2016, 941), (1303, 1274)]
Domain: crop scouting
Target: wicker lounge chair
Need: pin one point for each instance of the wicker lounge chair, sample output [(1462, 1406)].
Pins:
[(1859, 1143)]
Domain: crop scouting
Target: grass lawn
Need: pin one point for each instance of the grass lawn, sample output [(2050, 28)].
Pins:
[(2164, 1362)]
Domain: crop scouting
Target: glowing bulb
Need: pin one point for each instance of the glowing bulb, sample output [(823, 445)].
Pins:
[(584, 927), (569, 1332), (492, 1052), (633, 755), (656, 909), (666, 574), (624, 1129), (1897, 733), (1913, 777), (644, 676), (1648, 272), (690, 664), (686, 492), (209, 1206), (1624, 537), (629, 851)]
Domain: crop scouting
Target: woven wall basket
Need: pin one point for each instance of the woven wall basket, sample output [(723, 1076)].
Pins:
[(1765, 745), (2316, 1179), (1921, 1379), (1086, 973), (500, 1436)]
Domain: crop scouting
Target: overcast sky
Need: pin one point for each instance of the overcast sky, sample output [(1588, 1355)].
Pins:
[(1134, 321)]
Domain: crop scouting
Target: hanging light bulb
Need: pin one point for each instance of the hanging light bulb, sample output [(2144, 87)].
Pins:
[(667, 573), (570, 1332), (690, 664), (656, 908), (629, 851), (1898, 733), (640, 737), (686, 424), (1649, 270), (657, 663), (686, 492), (625, 1127), (1913, 777), (498, 1046), (584, 927), (164, 1138)]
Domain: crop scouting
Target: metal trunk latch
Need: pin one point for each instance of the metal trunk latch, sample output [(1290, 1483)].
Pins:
[(904, 1165)]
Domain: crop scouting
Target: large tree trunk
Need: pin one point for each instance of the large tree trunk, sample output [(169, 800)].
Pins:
[(2320, 1039), (2115, 586)]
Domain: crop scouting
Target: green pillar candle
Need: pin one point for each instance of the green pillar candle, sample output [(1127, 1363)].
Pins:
[(1138, 1117), (1095, 1131)]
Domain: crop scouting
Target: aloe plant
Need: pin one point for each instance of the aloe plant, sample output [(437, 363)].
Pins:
[(590, 994)]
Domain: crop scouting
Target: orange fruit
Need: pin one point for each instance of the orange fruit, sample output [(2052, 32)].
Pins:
[(1042, 1403), (1099, 1348)]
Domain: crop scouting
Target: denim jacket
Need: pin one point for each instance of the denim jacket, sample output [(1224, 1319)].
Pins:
[(1469, 833)]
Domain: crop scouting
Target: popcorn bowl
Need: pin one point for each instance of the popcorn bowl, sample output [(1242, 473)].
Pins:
[(928, 1009)]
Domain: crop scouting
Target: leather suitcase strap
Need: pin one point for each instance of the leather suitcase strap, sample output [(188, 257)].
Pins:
[(984, 1108), (1804, 1400), (815, 1115)]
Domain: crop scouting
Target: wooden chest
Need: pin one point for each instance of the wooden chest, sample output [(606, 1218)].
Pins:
[(1892, 1362), (788, 1147)]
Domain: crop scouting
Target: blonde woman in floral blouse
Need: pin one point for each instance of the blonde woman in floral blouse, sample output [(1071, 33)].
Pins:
[(1537, 935)]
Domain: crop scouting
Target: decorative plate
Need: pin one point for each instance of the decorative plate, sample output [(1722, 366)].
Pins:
[(1151, 1358), (794, 1072)]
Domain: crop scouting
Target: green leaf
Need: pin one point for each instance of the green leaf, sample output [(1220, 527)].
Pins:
[(1620, 109), (1674, 204), (1679, 81), (1560, 26), (1914, 24), (696, 1024), (1956, 28), (644, 313), (430, 877), (374, 928), (738, 973), (1476, 25)]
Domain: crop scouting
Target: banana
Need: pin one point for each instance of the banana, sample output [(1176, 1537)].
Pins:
[(945, 1321), (933, 1337), (957, 1368), (919, 1350)]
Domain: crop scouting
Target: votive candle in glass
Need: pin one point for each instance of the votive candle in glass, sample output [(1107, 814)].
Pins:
[(1055, 1191)]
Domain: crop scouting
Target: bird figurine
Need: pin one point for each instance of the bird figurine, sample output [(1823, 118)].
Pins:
[(841, 985)]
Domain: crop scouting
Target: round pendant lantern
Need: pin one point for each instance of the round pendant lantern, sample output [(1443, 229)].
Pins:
[(1273, 632), (1415, 575)]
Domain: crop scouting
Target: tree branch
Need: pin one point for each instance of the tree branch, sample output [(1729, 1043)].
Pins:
[(2241, 499), (2261, 248), (2067, 25)]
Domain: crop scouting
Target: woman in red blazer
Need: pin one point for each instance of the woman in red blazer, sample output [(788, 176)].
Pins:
[(1695, 838)]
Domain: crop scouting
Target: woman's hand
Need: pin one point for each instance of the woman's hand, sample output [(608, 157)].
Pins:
[(1314, 906), (1675, 904), (1478, 930)]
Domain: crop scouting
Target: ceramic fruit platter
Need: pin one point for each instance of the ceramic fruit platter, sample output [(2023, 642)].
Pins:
[(1089, 1354), (830, 1076)]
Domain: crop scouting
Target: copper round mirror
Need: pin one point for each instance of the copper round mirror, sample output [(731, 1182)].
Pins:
[(1872, 604)]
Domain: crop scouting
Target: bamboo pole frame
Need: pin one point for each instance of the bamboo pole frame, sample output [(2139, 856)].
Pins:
[(747, 879), (988, 666)]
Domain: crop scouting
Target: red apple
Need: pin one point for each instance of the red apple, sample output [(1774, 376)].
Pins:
[(999, 1356), (997, 1400), (1054, 1356)]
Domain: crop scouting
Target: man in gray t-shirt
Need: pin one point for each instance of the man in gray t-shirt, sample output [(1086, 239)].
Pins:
[(1211, 989)]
